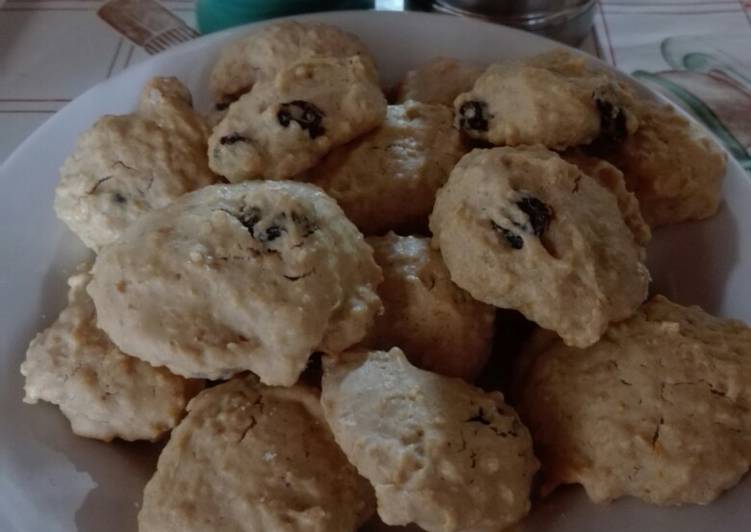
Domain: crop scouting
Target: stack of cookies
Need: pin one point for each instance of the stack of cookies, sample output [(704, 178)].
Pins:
[(300, 288)]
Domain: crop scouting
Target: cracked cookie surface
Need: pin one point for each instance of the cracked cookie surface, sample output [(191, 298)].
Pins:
[(658, 409), (439, 452), (125, 166), (251, 458), (387, 179), (520, 228), (254, 276), (553, 99), (264, 53), (105, 393), (285, 125), (438, 325)]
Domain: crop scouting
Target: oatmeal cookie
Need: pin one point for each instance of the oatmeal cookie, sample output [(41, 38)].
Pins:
[(125, 166), (286, 125), (251, 458), (437, 324), (671, 165), (553, 99), (439, 452), (658, 409), (520, 228), (105, 393), (387, 179), (254, 276), (264, 53)]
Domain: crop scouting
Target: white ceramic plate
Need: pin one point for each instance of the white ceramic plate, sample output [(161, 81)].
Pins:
[(53, 481)]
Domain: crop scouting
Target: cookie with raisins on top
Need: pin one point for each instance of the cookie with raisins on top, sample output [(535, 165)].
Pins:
[(520, 228), (553, 99), (263, 53), (286, 125), (254, 276)]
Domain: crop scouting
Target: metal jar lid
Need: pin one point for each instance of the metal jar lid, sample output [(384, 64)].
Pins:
[(567, 21)]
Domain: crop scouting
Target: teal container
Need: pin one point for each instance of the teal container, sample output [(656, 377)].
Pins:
[(215, 15)]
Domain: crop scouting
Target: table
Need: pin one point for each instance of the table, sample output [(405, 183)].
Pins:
[(53, 50)]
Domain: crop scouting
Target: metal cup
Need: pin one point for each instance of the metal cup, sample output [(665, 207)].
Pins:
[(564, 20)]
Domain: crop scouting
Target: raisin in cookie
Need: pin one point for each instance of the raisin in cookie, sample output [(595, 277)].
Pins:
[(658, 409), (253, 276), (439, 81), (387, 180), (284, 126), (439, 452), (103, 392), (520, 228), (671, 165), (252, 458), (611, 178), (553, 99), (125, 166), (264, 53), (437, 324)]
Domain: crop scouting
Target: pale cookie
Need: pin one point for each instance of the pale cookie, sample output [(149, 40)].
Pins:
[(264, 53), (439, 452), (254, 276), (387, 180), (439, 81), (286, 125), (103, 392), (611, 178), (437, 324), (658, 409), (520, 228), (125, 166), (252, 458), (553, 99), (673, 167)]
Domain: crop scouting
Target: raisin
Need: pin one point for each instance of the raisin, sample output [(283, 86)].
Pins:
[(474, 116), (307, 226), (221, 106), (272, 233), (512, 239), (539, 214), (249, 218), (232, 139), (612, 121), (119, 198), (305, 114)]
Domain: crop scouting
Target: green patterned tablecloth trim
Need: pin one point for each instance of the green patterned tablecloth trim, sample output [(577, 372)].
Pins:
[(703, 113)]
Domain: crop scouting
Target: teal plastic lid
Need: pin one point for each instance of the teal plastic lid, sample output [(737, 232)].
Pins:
[(215, 15)]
